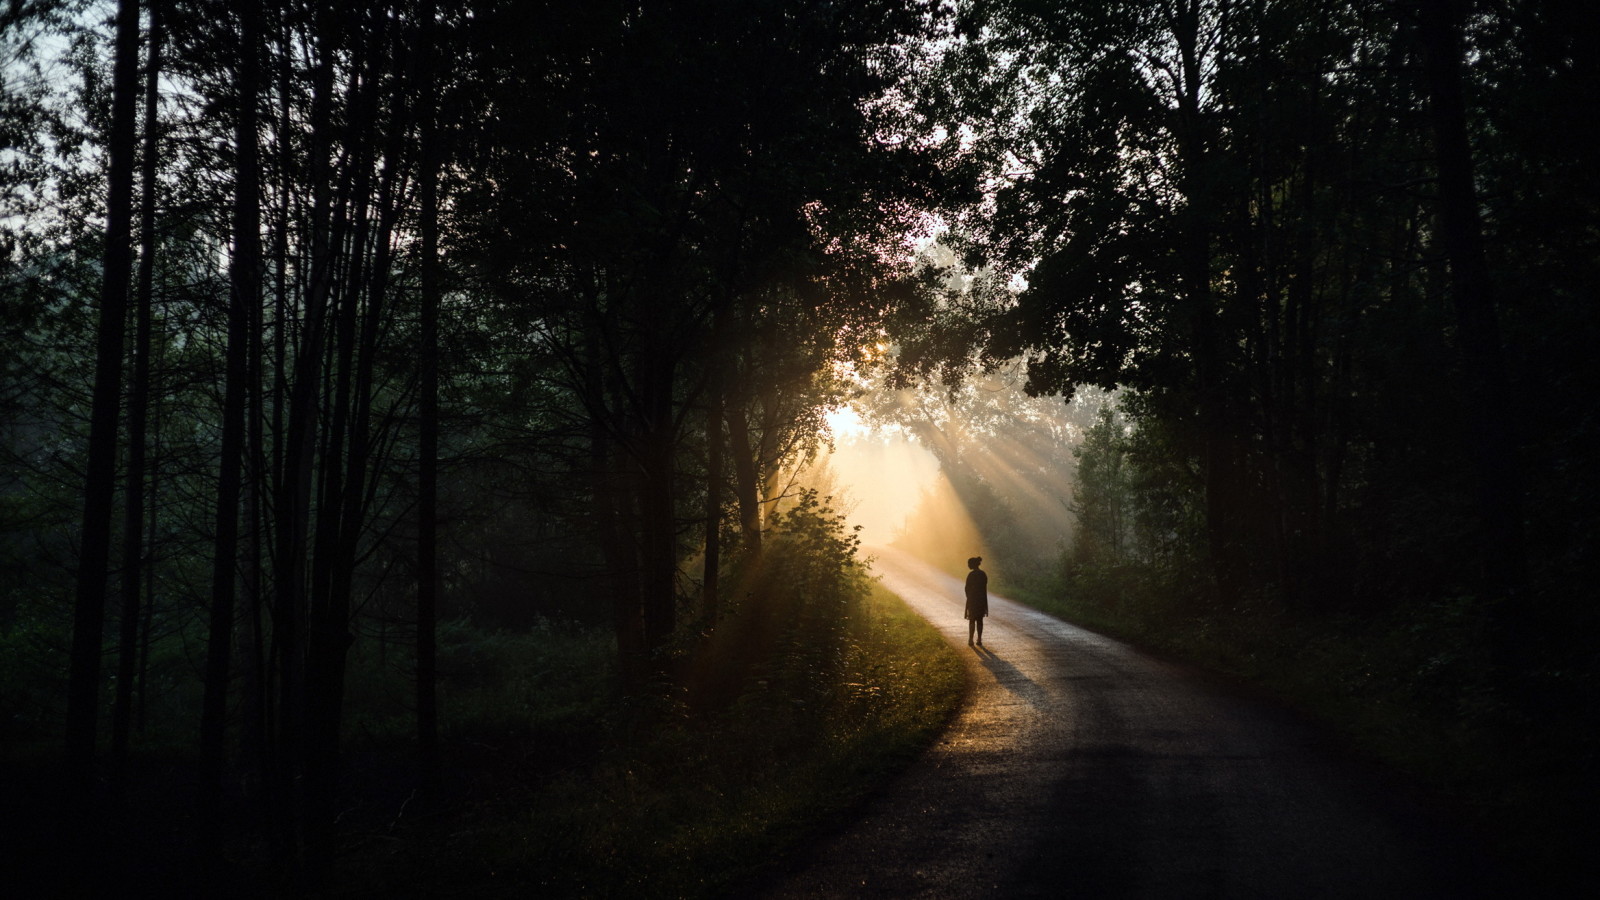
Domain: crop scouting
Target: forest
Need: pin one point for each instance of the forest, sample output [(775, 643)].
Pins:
[(415, 415)]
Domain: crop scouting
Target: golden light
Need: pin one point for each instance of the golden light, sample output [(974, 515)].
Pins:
[(882, 473), (846, 424)]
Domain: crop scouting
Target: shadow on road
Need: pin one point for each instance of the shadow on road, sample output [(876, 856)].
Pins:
[(1011, 678)]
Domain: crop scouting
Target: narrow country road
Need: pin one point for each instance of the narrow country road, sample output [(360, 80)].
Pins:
[(1080, 767)]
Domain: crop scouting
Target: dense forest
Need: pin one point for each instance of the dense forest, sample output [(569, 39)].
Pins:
[(381, 374)]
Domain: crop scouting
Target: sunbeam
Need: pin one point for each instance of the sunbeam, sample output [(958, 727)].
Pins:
[(882, 471)]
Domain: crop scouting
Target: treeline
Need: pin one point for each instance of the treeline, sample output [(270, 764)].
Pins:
[(327, 321), (1340, 258)]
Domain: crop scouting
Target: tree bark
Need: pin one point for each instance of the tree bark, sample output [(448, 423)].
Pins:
[(83, 691), (1194, 252), (746, 476), (293, 510), (711, 581), (138, 414), (657, 496), (1488, 396), (430, 769), (617, 582), (244, 279)]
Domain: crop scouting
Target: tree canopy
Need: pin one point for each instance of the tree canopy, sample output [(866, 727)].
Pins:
[(327, 325)]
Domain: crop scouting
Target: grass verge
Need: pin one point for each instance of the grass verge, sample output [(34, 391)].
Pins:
[(649, 798)]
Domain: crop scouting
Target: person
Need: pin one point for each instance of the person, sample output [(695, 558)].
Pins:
[(977, 599)]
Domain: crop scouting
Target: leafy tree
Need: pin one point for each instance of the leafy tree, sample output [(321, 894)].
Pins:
[(672, 225), (1101, 500)]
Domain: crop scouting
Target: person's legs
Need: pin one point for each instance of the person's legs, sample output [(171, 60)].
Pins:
[(979, 620), (971, 624)]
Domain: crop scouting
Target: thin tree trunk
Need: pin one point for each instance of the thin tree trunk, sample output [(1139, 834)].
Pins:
[(327, 637), (1215, 423), (245, 294), (617, 583), (253, 660), (430, 769), (252, 651), (746, 477), (711, 584), (83, 690), (1473, 290), (147, 614), (293, 512), (138, 409), (1503, 542), (659, 531), (275, 759)]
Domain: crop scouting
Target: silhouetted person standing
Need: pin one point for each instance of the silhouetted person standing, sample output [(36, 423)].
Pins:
[(977, 599)]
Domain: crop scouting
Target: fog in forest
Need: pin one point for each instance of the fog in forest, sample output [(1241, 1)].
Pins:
[(433, 435), (980, 469)]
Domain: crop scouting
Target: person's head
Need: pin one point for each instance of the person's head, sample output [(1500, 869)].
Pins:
[(974, 562)]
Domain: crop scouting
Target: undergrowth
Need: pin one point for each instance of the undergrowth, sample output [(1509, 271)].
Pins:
[(812, 686), (767, 720), (646, 797)]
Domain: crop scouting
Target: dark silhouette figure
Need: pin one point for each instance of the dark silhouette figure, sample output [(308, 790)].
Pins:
[(977, 599)]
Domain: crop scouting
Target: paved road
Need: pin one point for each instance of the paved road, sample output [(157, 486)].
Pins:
[(1080, 767)]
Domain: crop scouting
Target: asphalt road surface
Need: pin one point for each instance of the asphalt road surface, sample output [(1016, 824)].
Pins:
[(1081, 767)]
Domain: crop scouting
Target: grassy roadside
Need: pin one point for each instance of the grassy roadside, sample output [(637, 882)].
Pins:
[(655, 799), (1409, 689)]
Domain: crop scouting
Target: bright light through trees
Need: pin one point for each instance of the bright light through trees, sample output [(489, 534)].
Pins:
[(882, 471)]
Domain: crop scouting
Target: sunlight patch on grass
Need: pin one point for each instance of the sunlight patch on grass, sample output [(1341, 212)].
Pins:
[(673, 804)]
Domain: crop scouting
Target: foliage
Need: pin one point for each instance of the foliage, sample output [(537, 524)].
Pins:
[(693, 789), (1101, 500), (1003, 456), (651, 234), (1241, 214)]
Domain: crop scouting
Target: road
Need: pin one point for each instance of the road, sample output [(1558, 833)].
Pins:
[(1081, 767)]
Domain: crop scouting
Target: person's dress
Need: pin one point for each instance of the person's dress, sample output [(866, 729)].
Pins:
[(977, 594)]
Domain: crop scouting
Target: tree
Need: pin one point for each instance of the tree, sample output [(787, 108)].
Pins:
[(1472, 289), (133, 531), (244, 295), (1114, 120), (1101, 500), (430, 766), (651, 226), (83, 698)]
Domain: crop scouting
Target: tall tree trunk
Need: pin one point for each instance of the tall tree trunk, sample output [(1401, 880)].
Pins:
[(617, 582), (147, 613), (430, 769), (711, 583), (657, 496), (354, 502), (277, 656), (293, 510), (746, 475), (1488, 396), (253, 727), (245, 294), (328, 638), (83, 690), (1219, 463), (138, 410)]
